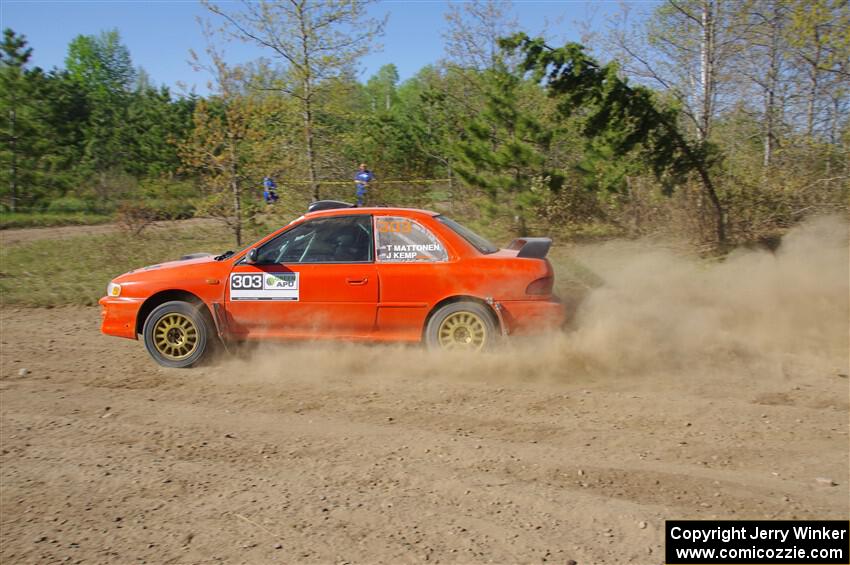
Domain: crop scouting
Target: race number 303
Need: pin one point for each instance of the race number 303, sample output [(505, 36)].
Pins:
[(246, 282)]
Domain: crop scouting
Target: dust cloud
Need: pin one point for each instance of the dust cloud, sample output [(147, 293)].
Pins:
[(656, 312)]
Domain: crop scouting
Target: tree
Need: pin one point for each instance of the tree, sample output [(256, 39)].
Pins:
[(472, 47), (101, 67), (101, 63), (505, 151), (686, 47), (628, 118), (382, 88), (421, 128), (14, 55), (63, 113), (214, 151), (820, 43), (231, 145), (26, 104), (472, 37), (763, 63), (215, 148), (315, 39), (155, 124)]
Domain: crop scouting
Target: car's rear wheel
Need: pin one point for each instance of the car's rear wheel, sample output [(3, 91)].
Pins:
[(461, 326), (177, 334)]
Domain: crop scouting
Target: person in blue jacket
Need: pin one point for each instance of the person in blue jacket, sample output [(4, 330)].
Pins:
[(361, 181), (269, 190)]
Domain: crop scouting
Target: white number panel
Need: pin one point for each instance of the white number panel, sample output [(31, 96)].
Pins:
[(264, 286)]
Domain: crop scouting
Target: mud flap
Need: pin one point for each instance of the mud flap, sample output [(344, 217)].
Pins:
[(220, 320), (497, 308)]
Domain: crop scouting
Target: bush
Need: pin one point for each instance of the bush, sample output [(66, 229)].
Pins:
[(9, 220), (164, 208), (69, 205)]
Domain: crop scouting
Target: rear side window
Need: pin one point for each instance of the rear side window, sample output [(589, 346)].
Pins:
[(402, 240), (473, 238)]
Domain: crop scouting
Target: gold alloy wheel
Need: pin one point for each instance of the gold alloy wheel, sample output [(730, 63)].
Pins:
[(462, 330), (175, 336)]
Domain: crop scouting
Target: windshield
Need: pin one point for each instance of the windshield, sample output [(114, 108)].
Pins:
[(473, 238)]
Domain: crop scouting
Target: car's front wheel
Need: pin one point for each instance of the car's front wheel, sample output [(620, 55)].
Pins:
[(177, 334), (461, 326)]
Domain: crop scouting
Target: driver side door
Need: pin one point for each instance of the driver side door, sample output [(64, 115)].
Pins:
[(315, 280)]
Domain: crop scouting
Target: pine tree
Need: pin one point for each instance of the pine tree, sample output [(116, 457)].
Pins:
[(101, 67), (18, 125), (628, 118), (505, 152)]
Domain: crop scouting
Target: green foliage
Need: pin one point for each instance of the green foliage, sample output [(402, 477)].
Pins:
[(69, 205), (100, 66), (318, 41), (527, 140), (83, 132), (628, 118), (21, 127), (413, 137), (154, 125), (13, 52), (505, 152)]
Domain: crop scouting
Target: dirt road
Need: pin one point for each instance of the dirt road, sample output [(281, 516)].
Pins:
[(685, 389), (372, 454)]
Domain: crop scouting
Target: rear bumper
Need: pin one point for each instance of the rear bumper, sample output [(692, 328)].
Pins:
[(531, 317), (118, 316)]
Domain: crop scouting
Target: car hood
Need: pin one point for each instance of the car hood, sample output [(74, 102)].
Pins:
[(169, 267)]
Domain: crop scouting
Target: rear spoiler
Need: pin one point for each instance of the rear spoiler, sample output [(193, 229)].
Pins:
[(531, 247)]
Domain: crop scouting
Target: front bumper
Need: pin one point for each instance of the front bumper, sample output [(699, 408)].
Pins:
[(532, 317), (119, 316)]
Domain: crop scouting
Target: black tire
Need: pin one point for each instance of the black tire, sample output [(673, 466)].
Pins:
[(464, 325), (177, 334)]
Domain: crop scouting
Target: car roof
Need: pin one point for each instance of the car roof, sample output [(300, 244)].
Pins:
[(382, 210)]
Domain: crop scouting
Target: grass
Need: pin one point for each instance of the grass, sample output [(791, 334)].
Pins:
[(76, 270), (9, 220)]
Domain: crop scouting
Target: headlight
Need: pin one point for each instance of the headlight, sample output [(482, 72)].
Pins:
[(113, 289)]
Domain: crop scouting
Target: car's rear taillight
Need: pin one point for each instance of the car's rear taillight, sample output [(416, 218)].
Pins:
[(541, 286)]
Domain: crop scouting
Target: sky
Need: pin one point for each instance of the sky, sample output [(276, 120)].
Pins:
[(159, 34)]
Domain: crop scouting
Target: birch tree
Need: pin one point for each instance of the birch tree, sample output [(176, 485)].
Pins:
[(685, 47), (764, 66), (819, 37), (474, 29)]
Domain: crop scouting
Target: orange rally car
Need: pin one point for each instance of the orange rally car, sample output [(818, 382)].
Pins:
[(340, 272)]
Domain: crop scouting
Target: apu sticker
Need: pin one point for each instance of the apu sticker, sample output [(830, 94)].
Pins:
[(264, 286)]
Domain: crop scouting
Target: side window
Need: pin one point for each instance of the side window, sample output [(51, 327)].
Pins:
[(342, 239), (401, 240)]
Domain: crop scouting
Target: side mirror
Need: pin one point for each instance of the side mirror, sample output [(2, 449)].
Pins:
[(252, 256)]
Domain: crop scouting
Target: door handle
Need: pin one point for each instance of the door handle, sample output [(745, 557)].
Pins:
[(357, 282)]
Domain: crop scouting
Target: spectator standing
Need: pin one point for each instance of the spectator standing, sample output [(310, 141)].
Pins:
[(269, 190), (361, 181)]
